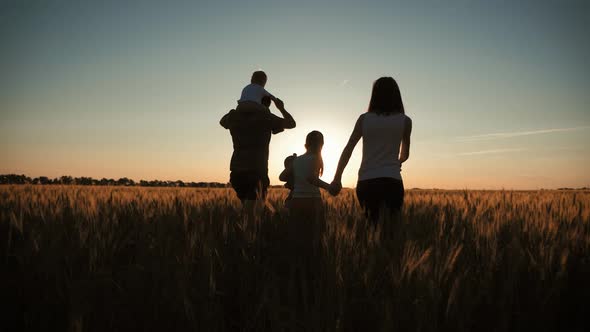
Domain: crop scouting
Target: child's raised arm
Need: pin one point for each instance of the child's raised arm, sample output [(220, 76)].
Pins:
[(272, 97)]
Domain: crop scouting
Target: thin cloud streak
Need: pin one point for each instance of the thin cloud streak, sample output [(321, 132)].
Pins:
[(517, 134), (494, 151)]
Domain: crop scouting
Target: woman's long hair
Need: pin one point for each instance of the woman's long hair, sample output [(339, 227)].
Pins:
[(386, 97), (313, 142)]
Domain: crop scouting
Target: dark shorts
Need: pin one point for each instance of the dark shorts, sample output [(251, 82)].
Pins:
[(249, 185), (380, 195)]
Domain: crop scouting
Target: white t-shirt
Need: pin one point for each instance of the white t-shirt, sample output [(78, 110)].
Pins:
[(382, 136), (254, 92), (305, 166)]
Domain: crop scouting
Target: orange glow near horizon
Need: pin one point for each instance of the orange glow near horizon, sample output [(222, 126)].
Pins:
[(497, 96)]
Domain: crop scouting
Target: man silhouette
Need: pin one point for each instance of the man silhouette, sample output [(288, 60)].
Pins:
[(251, 129)]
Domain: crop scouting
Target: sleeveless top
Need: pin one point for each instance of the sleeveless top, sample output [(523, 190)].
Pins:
[(382, 136), (303, 167)]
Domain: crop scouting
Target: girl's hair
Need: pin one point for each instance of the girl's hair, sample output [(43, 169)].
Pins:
[(386, 97), (314, 142)]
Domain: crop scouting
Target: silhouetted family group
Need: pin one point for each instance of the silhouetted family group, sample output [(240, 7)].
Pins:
[(384, 128)]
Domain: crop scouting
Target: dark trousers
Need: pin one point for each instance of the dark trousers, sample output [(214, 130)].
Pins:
[(380, 196), (249, 185)]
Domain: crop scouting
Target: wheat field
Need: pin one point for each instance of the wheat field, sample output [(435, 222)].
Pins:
[(181, 259)]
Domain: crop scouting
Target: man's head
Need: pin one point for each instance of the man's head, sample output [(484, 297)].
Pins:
[(258, 77)]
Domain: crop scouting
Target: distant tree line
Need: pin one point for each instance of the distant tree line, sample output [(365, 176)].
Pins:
[(88, 181)]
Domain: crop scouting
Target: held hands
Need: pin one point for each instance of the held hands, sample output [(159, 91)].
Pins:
[(335, 188)]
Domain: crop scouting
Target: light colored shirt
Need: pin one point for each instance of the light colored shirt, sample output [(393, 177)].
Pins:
[(305, 166), (254, 92), (382, 136)]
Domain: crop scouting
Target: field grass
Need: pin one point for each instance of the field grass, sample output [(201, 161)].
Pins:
[(167, 259)]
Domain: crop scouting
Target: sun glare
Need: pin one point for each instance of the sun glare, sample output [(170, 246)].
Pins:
[(334, 141)]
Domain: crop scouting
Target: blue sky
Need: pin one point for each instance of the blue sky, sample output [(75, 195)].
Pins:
[(497, 90)]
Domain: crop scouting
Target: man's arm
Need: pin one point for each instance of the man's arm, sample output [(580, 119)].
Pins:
[(224, 122), (288, 121)]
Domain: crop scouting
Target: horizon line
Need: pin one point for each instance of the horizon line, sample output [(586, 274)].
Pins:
[(137, 183)]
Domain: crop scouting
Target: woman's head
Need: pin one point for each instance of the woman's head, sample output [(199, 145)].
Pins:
[(386, 97), (314, 142)]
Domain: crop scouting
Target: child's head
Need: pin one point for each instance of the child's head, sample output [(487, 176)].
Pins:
[(314, 142), (258, 77), (289, 160), (266, 101)]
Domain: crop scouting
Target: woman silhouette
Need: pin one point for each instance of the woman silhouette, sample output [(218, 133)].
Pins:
[(385, 130)]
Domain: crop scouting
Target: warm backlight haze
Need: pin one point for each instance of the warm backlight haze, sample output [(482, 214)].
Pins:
[(498, 93)]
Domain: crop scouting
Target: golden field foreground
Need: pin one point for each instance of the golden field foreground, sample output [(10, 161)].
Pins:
[(175, 259)]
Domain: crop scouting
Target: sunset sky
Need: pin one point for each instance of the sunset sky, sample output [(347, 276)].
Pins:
[(499, 91)]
